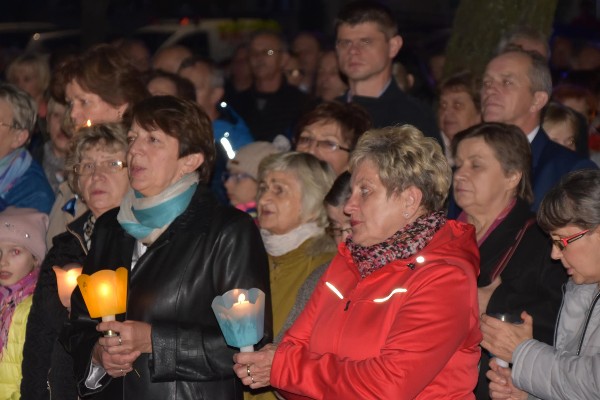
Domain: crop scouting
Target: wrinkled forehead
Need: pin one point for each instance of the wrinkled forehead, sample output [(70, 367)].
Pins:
[(514, 64)]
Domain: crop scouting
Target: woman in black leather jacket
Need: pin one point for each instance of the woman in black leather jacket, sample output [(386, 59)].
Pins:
[(181, 249)]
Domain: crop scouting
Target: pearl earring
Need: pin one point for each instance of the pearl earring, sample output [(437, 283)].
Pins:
[(405, 215)]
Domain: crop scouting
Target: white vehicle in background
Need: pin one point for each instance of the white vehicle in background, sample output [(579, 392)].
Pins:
[(215, 37)]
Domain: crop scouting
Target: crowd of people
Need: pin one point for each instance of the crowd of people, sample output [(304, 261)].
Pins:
[(391, 237)]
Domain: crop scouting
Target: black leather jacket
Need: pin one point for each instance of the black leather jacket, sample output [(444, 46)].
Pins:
[(206, 251), (45, 362)]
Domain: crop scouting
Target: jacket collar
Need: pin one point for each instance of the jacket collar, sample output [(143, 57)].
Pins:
[(537, 147)]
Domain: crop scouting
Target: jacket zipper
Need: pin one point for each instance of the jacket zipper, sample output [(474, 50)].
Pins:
[(587, 321)]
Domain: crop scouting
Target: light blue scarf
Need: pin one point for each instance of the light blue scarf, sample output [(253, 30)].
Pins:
[(146, 218), (12, 167)]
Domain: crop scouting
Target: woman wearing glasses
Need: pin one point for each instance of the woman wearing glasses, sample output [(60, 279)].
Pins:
[(331, 131), (570, 213), (181, 248), (492, 186), (98, 174)]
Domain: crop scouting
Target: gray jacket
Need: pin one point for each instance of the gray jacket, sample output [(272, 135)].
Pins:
[(569, 370)]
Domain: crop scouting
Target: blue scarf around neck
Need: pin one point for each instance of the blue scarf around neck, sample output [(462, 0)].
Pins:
[(145, 218)]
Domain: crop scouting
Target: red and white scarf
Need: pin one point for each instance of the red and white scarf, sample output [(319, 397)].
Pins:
[(409, 240), (10, 297)]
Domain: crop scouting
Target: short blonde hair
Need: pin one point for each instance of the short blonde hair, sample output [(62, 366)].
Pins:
[(315, 177), (404, 157), (38, 64), (110, 137)]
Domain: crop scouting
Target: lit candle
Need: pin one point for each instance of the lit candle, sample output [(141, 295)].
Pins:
[(241, 322), (105, 294), (241, 301), (88, 123), (66, 280)]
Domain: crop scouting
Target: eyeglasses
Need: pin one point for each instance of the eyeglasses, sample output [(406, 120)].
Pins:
[(337, 232), (109, 167), (305, 142), (264, 53), (562, 243), (236, 177), (10, 126)]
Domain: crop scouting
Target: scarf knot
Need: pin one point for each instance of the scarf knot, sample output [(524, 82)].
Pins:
[(146, 218), (406, 242)]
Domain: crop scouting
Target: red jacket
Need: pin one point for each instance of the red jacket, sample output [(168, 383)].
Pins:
[(409, 330)]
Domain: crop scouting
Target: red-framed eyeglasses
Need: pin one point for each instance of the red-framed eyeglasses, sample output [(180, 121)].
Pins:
[(562, 243)]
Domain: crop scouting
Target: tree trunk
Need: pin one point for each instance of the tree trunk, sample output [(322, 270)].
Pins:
[(480, 24)]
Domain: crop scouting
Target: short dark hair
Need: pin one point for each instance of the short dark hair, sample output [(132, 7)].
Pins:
[(352, 118), (511, 147), (575, 200), (217, 78), (555, 113), (340, 190), (272, 33), (463, 81), (183, 87), (182, 119), (362, 11)]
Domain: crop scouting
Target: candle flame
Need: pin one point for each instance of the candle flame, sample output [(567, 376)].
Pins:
[(105, 290), (241, 298), (71, 277), (88, 123)]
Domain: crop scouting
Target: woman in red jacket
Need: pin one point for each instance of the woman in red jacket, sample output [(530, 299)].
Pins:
[(395, 316)]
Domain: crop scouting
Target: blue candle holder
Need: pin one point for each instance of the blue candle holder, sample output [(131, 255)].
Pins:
[(241, 317)]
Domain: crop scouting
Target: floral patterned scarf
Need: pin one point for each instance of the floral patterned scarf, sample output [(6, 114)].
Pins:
[(10, 297), (402, 244)]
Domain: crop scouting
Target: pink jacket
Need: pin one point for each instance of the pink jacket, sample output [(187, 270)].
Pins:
[(409, 330)]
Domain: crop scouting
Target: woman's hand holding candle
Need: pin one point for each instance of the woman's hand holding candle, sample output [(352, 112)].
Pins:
[(254, 369), (119, 352)]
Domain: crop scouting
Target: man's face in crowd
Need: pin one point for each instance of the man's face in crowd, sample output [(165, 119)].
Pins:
[(506, 94), (364, 51)]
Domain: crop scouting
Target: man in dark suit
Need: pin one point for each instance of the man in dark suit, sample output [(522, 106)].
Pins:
[(367, 41), (516, 87)]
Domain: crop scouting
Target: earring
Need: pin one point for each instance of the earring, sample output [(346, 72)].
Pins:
[(405, 215)]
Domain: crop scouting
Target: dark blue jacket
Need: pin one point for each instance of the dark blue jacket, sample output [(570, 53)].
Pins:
[(550, 162), (31, 190)]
